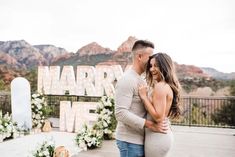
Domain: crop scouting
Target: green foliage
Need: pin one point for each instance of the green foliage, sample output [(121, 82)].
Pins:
[(190, 84), (226, 114), (31, 76), (232, 87), (198, 116), (2, 85), (91, 60)]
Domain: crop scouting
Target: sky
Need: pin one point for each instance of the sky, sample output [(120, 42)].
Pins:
[(193, 32)]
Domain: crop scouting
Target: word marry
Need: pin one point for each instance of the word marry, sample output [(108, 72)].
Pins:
[(90, 81)]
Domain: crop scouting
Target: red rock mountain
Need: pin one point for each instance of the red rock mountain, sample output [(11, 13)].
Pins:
[(126, 46), (7, 59), (189, 71), (93, 49), (20, 54)]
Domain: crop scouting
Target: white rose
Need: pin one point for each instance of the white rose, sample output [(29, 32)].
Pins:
[(87, 138), (8, 134), (40, 154), (101, 105), (46, 153), (9, 128), (107, 131), (39, 106), (103, 99), (38, 116), (34, 95), (105, 124), (108, 121)]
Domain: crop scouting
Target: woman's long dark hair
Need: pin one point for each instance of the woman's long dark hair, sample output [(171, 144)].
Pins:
[(167, 72)]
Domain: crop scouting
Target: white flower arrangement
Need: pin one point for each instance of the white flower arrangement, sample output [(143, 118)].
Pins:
[(89, 138), (7, 127), (40, 110), (106, 118), (46, 149)]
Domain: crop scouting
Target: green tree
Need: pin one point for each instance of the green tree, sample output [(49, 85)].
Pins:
[(31, 76), (232, 88), (226, 114), (198, 116), (2, 85)]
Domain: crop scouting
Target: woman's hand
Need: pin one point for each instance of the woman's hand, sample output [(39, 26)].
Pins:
[(143, 91)]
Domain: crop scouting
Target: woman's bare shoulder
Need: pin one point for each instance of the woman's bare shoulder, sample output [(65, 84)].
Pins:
[(161, 88), (161, 85)]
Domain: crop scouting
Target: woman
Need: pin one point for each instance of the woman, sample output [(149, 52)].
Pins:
[(161, 101)]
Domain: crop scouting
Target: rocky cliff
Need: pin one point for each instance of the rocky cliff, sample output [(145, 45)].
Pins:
[(20, 54)]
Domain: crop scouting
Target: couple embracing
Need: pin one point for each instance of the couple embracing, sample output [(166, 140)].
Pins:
[(143, 107)]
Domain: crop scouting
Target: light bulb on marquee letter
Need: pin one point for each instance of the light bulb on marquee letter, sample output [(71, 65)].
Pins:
[(104, 80), (55, 80), (85, 79), (67, 80), (48, 80)]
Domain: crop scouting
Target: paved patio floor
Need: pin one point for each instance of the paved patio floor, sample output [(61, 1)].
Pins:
[(189, 142)]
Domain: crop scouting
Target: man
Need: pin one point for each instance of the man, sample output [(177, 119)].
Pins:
[(129, 110)]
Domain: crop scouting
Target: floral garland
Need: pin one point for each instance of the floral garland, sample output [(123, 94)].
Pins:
[(7, 127), (90, 138), (46, 149), (40, 110), (106, 118)]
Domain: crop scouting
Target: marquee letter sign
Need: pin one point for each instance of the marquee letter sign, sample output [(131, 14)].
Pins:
[(90, 81), (72, 118)]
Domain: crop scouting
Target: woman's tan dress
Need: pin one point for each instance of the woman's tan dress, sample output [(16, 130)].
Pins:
[(157, 144)]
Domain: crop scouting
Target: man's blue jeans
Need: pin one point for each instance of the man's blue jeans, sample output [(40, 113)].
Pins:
[(127, 149)]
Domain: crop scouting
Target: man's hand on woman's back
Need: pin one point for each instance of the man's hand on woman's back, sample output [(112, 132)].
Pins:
[(161, 127)]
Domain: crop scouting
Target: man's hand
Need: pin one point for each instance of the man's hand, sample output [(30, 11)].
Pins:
[(161, 127)]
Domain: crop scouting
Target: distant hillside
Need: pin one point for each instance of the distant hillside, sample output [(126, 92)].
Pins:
[(90, 54), (190, 71), (217, 74), (6, 59), (19, 58), (50, 52), (93, 49), (93, 54), (75, 59), (20, 54)]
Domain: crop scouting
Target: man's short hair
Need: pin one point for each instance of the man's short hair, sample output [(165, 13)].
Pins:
[(141, 44)]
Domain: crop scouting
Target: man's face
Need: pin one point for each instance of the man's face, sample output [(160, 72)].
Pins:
[(145, 57)]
